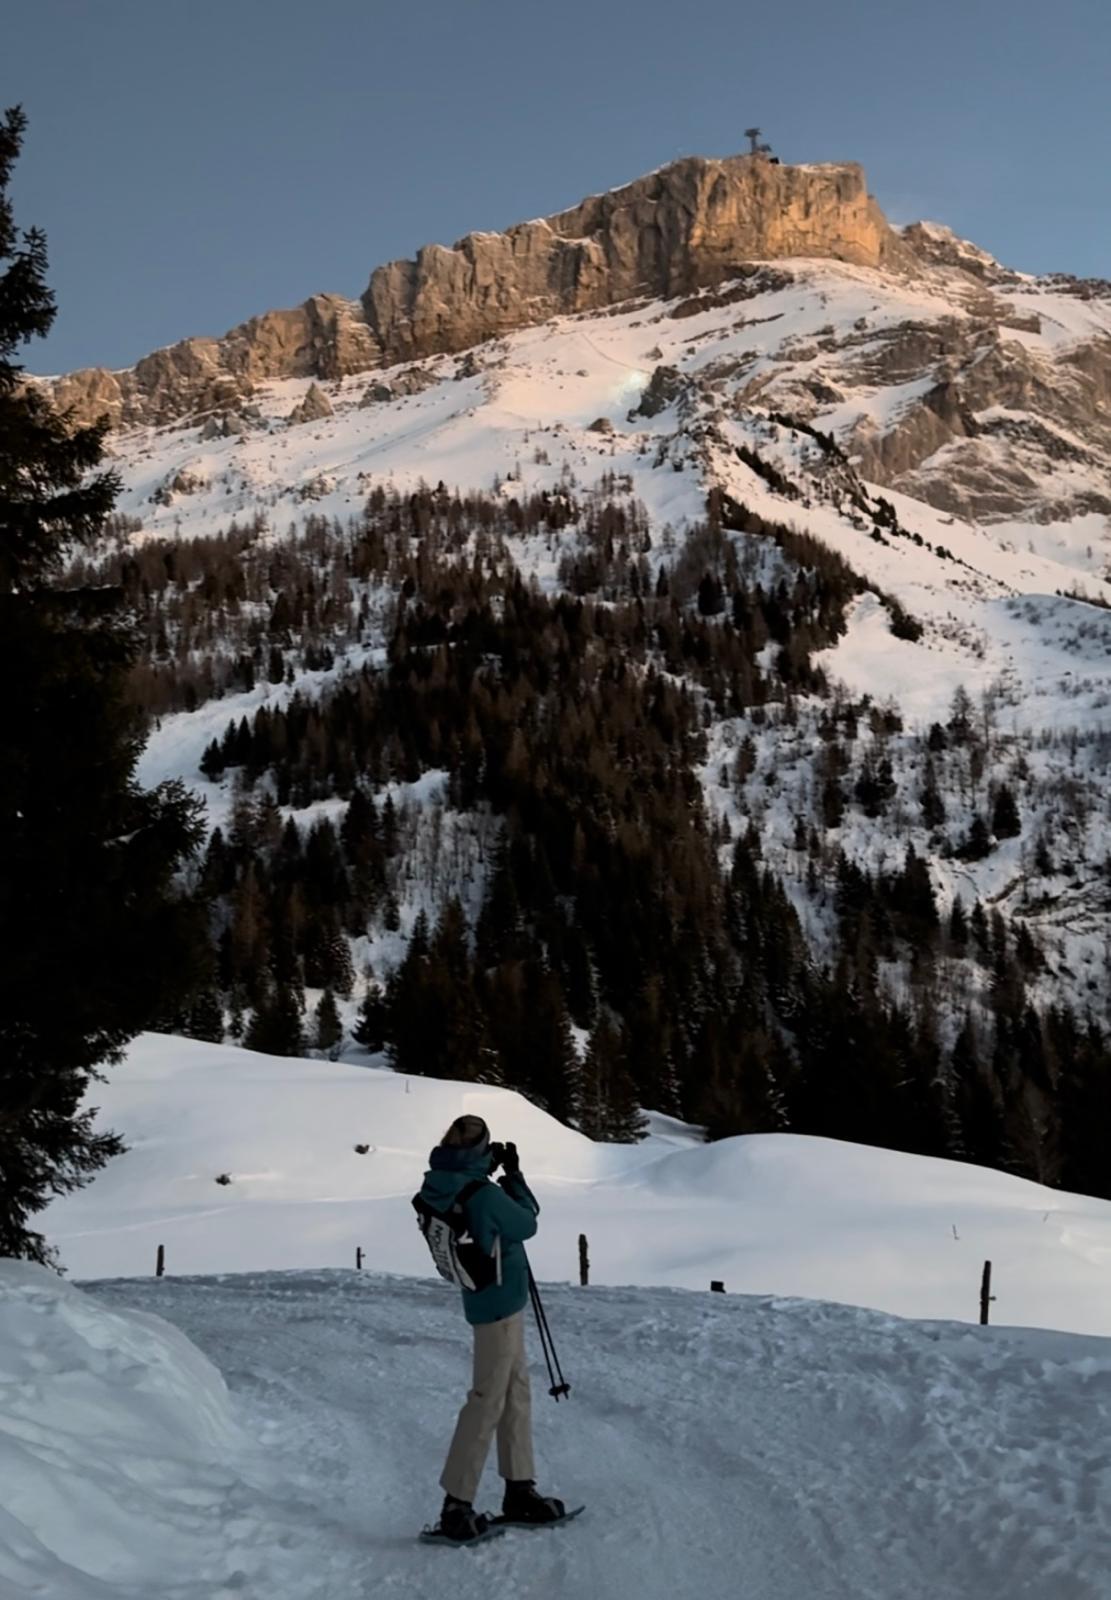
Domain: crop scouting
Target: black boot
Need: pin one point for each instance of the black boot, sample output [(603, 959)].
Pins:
[(523, 1504), (460, 1522)]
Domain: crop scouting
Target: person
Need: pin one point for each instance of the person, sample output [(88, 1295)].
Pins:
[(500, 1217)]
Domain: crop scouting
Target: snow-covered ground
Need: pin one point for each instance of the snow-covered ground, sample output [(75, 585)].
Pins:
[(724, 1446), (767, 1214)]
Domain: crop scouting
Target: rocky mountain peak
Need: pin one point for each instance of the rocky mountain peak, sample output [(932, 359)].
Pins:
[(688, 226)]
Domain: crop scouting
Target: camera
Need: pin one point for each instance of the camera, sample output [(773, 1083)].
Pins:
[(504, 1155)]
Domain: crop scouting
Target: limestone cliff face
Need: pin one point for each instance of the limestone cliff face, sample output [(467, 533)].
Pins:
[(326, 337), (685, 227), (688, 226)]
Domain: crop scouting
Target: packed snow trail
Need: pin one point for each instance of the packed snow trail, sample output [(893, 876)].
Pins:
[(770, 1449)]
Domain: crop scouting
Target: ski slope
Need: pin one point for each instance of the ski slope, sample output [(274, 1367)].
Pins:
[(767, 1214), (750, 1446)]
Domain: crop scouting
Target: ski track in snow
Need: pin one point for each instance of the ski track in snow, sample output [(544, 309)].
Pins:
[(724, 1446)]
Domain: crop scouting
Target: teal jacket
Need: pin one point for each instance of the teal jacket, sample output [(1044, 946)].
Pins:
[(506, 1210)]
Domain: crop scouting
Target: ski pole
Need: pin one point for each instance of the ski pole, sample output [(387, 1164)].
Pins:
[(553, 1387), (557, 1389)]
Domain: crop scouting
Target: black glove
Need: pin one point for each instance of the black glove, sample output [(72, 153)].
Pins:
[(511, 1162)]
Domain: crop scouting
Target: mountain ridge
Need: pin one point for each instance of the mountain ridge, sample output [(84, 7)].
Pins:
[(686, 226), (989, 398)]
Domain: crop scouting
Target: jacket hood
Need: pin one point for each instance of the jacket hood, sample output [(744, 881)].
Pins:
[(451, 1168)]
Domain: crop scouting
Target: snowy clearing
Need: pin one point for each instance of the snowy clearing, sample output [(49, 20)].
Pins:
[(767, 1213)]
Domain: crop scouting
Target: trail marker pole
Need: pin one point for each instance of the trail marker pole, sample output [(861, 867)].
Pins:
[(358, 1258), (584, 1262), (160, 1263), (986, 1296)]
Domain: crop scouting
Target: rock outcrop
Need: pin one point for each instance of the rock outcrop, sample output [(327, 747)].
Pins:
[(990, 422), (326, 337), (313, 408), (689, 226), (686, 227)]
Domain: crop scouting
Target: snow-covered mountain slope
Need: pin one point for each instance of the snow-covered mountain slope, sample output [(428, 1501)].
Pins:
[(768, 1214), (520, 411), (722, 1445), (661, 403)]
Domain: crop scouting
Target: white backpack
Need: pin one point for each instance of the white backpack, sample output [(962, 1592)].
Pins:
[(458, 1258)]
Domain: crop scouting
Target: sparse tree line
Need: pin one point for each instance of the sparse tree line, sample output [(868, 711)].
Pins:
[(856, 783)]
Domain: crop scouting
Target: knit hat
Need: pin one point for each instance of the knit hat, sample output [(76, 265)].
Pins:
[(469, 1133)]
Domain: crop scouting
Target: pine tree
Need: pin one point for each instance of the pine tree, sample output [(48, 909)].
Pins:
[(329, 1029), (276, 1028), (875, 785), (96, 944), (416, 1026), (711, 599), (960, 717), (1085, 1103), (594, 1079), (1005, 820), (328, 963), (372, 1028), (248, 935), (206, 1018), (235, 1014), (978, 843), (608, 1105), (554, 1064), (933, 806), (913, 897), (499, 933), (452, 1027)]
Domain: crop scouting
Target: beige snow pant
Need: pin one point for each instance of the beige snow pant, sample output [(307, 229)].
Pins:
[(499, 1400)]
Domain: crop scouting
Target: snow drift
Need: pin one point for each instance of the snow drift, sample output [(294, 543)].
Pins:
[(117, 1445)]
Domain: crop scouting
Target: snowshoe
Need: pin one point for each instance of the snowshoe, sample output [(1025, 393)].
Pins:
[(523, 1507), (461, 1524)]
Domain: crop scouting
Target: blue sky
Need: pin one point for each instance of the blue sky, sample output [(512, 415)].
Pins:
[(199, 161)]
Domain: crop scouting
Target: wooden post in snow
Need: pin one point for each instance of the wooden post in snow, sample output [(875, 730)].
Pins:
[(160, 1263), (358, 1258), (986, 1296), (584, 1262)]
